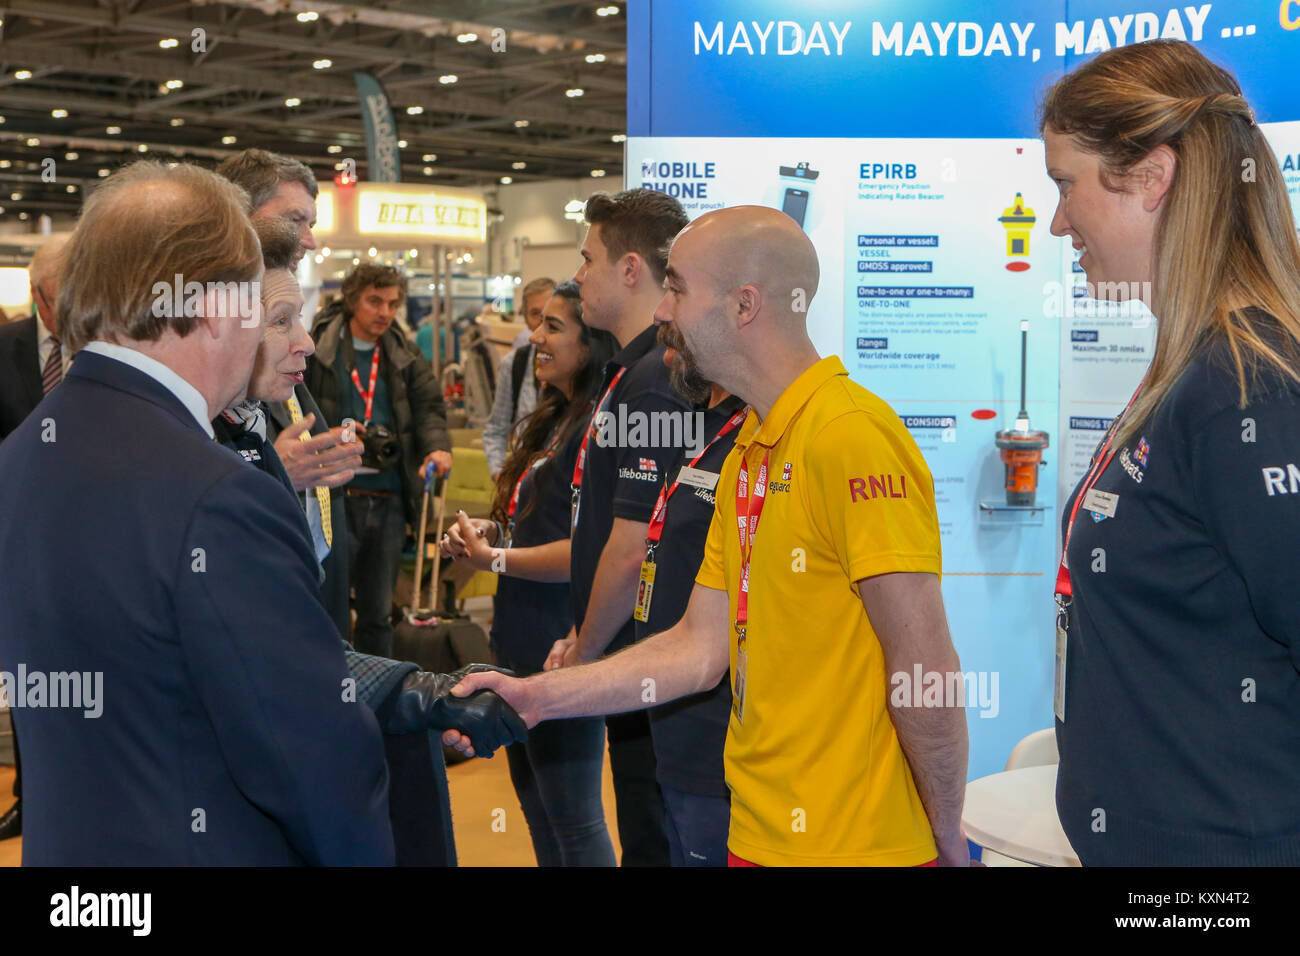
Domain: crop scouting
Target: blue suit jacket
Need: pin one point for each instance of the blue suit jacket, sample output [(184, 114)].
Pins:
[(134, 545)]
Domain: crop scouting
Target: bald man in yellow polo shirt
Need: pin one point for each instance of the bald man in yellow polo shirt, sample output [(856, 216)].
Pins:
[(820, 580)]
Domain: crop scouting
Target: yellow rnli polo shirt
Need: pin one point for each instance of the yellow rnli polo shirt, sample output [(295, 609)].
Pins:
[(816, 772)]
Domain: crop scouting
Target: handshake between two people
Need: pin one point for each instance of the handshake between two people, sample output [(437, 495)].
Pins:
[(510, 697), (425, 702)]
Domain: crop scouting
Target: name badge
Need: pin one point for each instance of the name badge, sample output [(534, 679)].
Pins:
[(645, 590), (1058, 698), (1100, 502), (738, 685), (696, 478)]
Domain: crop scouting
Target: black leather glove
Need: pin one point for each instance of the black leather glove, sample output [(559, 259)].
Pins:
[(425, 702)]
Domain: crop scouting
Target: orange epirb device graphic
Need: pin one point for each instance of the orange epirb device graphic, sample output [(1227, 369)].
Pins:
[(1021, 446), (1018, 219)]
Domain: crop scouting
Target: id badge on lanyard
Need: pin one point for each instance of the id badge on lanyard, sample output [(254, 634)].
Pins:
[(645, 587), (738, 688)]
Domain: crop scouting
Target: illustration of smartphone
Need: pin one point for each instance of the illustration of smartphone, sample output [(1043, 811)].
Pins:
[(796, 204)]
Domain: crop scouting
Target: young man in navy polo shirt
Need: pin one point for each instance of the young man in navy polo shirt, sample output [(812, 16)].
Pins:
[(618, 478)]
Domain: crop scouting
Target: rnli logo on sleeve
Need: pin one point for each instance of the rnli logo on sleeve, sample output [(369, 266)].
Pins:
[(785, 472), (1143, 453), (877, 486)]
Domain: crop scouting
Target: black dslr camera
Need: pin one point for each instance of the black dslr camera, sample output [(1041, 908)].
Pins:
[(380, 448)]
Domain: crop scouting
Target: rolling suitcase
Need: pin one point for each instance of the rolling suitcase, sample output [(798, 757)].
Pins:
[(439, 639)]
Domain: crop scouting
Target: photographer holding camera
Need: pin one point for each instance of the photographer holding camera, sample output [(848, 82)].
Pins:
[(366, 370)]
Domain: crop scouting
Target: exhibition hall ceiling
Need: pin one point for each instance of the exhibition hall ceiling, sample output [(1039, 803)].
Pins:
[(480, 89)]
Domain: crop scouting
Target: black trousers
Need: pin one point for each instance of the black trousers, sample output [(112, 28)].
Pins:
[(419, 805), (639, 804)]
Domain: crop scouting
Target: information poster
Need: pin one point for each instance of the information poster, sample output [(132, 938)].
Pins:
[(903, 138)]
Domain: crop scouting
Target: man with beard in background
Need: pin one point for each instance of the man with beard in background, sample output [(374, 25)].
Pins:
[(689, 733)]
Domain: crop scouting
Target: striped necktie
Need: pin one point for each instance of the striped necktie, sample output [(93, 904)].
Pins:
[(322, 493), (53, 373)]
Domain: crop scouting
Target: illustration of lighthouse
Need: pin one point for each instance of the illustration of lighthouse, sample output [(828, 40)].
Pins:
[(1018, 219)]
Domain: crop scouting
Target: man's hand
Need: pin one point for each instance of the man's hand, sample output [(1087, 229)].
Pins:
[(955, 851), (513, 692), (322, 460), (440, 460), (564, 652), (425, 702)]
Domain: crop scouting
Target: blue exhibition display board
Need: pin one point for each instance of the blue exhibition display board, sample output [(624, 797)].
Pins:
[(902, 135)]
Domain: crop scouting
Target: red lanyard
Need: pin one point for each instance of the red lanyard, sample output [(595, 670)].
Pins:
[(657, 517), (537, 463), (580, 465), (1064, 589), (749, 508), (368, 397)]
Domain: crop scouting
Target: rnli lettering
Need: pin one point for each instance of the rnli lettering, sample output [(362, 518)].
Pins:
[(878, 486)]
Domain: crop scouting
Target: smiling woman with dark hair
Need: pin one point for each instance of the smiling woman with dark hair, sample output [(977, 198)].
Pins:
[(557, 771), (1178, 645)]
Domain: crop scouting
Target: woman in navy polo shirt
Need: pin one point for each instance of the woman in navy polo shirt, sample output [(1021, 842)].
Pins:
[(1178, 646), (557, 772)]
